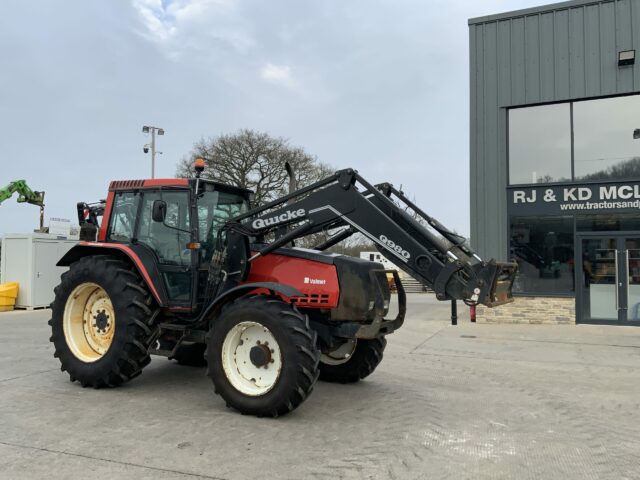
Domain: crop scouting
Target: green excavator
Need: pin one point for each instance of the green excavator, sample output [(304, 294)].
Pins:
[(25, 195)]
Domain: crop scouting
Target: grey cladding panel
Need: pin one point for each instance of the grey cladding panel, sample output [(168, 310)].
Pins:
[(608, 54), (576, 53), (592, 50), (532, 58), (547, 63), (635, 34), (624, 41), (517, 61), (491, 124), (504, 63), (561, 53)]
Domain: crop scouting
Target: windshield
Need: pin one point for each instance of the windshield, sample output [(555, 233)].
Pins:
[(214, 209)]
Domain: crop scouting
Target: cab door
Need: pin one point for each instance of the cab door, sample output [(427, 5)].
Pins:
[(169, 241)]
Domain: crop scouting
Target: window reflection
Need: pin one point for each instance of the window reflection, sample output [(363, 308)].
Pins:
[(540, 144), (604, 148), (543, 249), (608, 222)]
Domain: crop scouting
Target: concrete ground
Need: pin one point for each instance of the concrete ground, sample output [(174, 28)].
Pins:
[(472, 401)]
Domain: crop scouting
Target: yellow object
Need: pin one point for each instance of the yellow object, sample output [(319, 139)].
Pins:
[(8, 294)]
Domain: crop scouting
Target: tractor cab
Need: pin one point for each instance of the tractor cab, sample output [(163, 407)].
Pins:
[(171, 227)]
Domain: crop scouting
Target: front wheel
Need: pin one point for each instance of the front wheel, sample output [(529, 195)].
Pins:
[(352, 361), (262, 356), (102, 322)]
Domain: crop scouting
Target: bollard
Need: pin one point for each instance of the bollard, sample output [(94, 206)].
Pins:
[(454, 312)]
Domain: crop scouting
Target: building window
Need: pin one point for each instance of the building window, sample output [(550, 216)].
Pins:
[(540, 144), (543, 249), (604, 147)]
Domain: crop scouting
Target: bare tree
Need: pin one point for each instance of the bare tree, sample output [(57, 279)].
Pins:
[(254, 160)]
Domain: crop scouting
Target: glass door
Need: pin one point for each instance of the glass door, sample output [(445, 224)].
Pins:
[(599, 299), (609, 286), (632, 270)]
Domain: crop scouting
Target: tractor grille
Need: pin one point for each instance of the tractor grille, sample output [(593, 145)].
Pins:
[(122, 184), (312, 299)]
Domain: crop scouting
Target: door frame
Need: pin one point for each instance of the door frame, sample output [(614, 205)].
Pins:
[(618, 235)]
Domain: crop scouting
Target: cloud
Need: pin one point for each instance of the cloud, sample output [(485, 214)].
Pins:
[(180, 25), (278, 75)]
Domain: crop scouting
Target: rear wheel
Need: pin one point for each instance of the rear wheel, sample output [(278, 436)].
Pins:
[(352, 361), (101, 322), (262, 356)]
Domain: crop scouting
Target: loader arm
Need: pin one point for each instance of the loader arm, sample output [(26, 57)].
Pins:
[(25, 194), (440, 260)]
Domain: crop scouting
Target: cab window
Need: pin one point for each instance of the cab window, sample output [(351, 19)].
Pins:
[(123, 216), (168, 239), (214, 209)]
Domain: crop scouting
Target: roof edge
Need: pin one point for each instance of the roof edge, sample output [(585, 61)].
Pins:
[(535, 10)]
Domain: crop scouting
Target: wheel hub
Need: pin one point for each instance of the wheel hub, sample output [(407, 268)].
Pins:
[(251, 358), (260, 355), (101, 320)]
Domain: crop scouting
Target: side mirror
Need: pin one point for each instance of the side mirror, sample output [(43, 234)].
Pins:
[(159, 210)]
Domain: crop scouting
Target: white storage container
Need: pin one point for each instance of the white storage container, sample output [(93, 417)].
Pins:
[(30, 259)]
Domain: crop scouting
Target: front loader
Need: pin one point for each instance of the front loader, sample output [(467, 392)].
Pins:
[(185, 268)]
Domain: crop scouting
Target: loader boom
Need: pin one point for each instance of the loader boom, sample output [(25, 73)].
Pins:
[(25, 195), (438, 258)]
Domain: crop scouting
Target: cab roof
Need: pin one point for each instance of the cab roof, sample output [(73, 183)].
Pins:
[(117, 185)]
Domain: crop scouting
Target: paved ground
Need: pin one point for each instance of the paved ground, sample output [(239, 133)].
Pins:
[(473, 401)]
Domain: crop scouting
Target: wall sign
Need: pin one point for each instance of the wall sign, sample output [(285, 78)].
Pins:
[(60, 227), (574, 199)]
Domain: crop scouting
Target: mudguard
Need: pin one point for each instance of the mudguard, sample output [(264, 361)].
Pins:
[(240, 290), (140, 256)]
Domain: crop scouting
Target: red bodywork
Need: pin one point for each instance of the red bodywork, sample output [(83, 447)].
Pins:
[(317, 281)]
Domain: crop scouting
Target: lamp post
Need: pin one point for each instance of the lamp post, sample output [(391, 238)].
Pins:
[(152, 145)]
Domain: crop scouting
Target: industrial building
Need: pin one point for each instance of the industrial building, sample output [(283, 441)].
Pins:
[(555, 158)]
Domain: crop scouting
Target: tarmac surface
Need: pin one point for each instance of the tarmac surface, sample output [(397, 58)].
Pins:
[(472, 401)]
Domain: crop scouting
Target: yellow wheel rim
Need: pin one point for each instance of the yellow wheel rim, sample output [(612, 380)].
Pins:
[(89, 322)]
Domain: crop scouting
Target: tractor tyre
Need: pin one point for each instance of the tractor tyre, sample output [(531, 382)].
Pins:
[(262, 356), (191, 355), (102, 322), (352, 361)]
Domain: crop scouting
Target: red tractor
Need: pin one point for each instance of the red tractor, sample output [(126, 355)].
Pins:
[(186, 268)]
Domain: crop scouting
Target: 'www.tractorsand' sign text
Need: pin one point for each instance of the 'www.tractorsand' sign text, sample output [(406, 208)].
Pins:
[(568, 199)]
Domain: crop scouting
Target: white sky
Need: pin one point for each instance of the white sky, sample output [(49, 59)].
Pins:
[(381, 86)]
